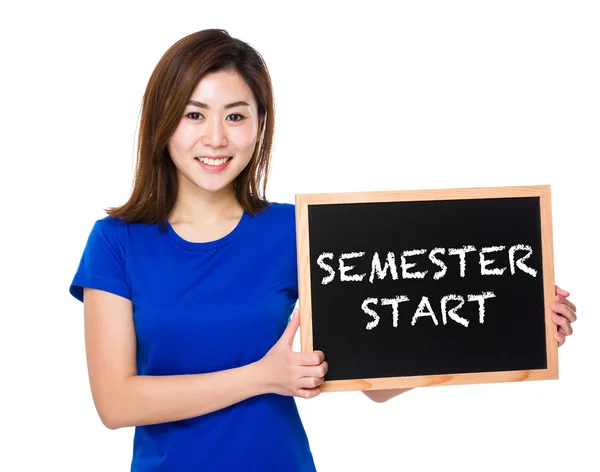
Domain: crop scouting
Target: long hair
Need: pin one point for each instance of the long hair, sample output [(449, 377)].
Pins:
[(169, 88)]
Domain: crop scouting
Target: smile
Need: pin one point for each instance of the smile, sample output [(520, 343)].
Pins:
[(213, 165), (214, 162)]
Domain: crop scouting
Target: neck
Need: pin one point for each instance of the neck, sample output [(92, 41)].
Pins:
[(198, 207)]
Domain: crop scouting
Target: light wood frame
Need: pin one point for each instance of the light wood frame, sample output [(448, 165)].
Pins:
[(303, 254)]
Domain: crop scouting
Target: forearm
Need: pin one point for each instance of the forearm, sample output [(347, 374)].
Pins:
[(142, 400), (381, 396)]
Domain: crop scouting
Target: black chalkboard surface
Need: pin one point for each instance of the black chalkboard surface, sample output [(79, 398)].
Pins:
[(432, 287)]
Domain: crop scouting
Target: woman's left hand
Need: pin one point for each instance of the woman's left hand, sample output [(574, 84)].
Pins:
[(564, 314)]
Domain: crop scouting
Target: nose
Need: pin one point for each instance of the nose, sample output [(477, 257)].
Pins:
[(214, 133)]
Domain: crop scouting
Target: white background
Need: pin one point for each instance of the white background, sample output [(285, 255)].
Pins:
[(369, 96)]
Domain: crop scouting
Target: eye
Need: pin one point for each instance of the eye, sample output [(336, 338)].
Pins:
[(193, 113), (241, 117)]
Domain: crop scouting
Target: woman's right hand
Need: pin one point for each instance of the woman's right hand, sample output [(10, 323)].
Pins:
[(293, 373)]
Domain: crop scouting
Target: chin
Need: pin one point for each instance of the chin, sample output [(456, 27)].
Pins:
[(209, 184), (214, 188)]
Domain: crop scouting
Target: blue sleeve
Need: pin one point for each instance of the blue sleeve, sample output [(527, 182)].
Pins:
[(294, 253), (102, 264), (287, 219)]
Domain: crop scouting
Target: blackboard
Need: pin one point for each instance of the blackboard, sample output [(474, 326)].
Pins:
[(431, 287)]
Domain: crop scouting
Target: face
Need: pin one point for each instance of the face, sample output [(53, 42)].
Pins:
[(217, 134)]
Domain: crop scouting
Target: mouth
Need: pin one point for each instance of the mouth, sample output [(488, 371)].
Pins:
[(213, 165), (214, 162)]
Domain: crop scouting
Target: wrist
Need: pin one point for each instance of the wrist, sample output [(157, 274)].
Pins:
[(257, 379)]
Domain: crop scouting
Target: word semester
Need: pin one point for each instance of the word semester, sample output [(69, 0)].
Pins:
[(407, 265), (515, 257)]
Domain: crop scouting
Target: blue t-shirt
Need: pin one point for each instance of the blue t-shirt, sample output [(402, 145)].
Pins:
[(205, 307)]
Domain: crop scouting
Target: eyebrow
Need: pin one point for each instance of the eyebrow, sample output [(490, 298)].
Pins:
[(229, 105)]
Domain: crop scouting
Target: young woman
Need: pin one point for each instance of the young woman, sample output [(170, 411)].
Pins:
[(188, 287)]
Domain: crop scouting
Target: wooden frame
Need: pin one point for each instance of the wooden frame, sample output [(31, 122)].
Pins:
[(303, 253)]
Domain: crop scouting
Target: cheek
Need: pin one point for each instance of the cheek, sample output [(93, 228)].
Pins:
[(243, 139), (183, 138)]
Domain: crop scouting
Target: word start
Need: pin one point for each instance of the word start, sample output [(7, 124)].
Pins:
[(517, 255)]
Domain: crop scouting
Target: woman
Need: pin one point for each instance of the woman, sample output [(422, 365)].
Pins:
[(187, 287)]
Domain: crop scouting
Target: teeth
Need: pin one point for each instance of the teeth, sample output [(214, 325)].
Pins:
[(214, 162)]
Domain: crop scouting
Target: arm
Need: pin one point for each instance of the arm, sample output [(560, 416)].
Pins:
[(123, 398), (381, 396)]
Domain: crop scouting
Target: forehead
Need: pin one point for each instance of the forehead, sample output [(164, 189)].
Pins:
[(222, 87)]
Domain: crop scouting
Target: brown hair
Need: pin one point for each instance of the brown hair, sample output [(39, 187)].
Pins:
[(170, 87)]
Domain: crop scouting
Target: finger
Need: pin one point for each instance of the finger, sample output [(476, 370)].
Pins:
[(310, 382), (291, 329), (565, 311), (563, 323), (561, 299), (560, 337), (308, 392), (313, 371), (310, 358), (560, 291), (562, 330)]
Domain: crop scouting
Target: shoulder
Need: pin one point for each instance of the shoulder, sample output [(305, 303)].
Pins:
[(103, 262), (109, 225), (279, 214), (275, 223), (282, 209), (111, 231)]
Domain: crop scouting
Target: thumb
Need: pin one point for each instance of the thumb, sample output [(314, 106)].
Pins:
[(290, 331)]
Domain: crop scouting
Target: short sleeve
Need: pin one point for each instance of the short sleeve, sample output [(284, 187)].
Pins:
[(287, 220), (294, 259), (102, 264)]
